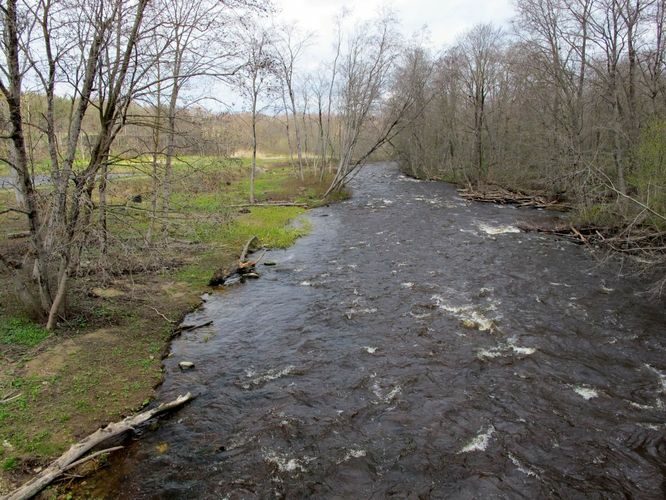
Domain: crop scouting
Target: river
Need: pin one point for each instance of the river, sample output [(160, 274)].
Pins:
[(414, 345)]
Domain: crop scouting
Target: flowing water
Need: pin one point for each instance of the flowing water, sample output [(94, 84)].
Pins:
[(414, 345)]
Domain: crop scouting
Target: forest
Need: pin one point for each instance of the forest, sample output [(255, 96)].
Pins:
[(569, 104)]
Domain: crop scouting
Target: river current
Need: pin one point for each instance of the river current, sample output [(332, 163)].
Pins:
[(414, 345)]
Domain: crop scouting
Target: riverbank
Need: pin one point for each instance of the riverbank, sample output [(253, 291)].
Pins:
[(104, 362), (627, 229)]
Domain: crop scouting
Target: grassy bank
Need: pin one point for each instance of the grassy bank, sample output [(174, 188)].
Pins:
[(104, 361)]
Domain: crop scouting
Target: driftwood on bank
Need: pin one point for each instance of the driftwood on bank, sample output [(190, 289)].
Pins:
[(583, 234), (9, 398), (269, 204), (189, 328), (246, 248), (495, 194), (244, 268), (636, 241), (19, 235), (73, 456)]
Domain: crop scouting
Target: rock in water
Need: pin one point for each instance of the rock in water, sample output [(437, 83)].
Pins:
[(186, 365), (220, 276)]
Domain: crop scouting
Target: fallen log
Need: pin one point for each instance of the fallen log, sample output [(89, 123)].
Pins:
[(269, 204), (18, 236), (246, 248), (638, 242), (88, 458), (73, 456), (559, 227), (506, 197), (580, 235), (10, 398)]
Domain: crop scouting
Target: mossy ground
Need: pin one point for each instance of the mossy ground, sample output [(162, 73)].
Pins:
[(104, 361)]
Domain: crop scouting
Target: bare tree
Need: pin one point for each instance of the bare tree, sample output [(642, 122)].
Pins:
[(651, 57), (331, 89), (288, 45), (255, 81), (480, 50), (103, 75), (366, 69)]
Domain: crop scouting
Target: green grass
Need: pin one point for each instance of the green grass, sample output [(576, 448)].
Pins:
[(276, 227), (269, 224), (272, 225), (19, 415), (9, 463), (22, 332), (598, 214)]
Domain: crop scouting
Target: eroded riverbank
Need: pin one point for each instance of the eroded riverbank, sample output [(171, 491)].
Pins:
[(414, 344)]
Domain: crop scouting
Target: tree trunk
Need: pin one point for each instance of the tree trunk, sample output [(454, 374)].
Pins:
[(25, 185), (104, 235), (254, 150)]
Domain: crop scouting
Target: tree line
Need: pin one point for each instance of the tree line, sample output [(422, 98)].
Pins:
[(570, 102)]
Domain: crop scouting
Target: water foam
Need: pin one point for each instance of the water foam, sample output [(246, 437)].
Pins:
[(495, 230), (505, 350), (353, 453), (586, 393), (489, 353), (640, 406), (270, 375), (467, 314), (350, 313), (522, 468), (525, 351), (480, 441), (660, 375), (387, 396), (286, 464), (404, 178)]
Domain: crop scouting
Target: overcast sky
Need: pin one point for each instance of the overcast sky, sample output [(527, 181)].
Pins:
[(443, 20), (436, 23)]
